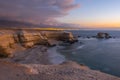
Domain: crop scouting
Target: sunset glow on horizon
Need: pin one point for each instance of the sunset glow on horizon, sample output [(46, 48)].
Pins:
[(95, 14), (63, 13), (100, 25)]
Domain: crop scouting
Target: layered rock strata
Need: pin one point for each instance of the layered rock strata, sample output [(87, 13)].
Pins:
[(27, 39)]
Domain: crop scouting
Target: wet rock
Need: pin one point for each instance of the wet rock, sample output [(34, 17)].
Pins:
[(88, 37), (79, 36), (103, 35), (93, 36)]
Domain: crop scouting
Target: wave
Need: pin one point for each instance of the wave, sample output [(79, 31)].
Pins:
[(55, 57), (71, 49), (79, 47)]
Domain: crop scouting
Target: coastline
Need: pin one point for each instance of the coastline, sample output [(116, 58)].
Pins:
[(43, 62), (36, 65)]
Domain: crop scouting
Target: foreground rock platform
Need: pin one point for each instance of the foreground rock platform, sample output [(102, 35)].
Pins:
[(66, 71), (33, 64)]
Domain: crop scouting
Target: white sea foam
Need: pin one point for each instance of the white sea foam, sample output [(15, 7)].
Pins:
[(54, 56), (79, 47)]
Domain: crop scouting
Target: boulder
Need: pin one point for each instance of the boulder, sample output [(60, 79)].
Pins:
[(103, 35)]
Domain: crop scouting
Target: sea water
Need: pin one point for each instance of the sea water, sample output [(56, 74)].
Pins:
[(98, 54)]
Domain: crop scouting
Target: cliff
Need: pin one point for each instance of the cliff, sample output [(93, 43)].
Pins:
[(9, 41), (61, 36)]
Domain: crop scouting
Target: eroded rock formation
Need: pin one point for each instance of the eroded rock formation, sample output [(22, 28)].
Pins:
[(61, 36), (103, 35), (28, 38)]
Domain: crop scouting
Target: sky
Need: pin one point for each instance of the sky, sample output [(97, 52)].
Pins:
[(84, 13), (36, 11), (95, 14)]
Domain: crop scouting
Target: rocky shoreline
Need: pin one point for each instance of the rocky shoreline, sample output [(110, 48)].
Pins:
[(66, 71), (35, 64)]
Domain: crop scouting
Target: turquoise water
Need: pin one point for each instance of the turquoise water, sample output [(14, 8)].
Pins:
[(98, 54)]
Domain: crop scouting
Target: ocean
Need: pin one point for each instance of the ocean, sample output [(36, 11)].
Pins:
[(98, 54)]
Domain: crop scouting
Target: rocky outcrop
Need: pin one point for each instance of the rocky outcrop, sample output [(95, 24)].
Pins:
[(29, 38), (6, 44), (103, 35), (25, 39), (61, 36)]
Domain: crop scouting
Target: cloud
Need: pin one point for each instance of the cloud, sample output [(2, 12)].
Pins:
[(37, 11)]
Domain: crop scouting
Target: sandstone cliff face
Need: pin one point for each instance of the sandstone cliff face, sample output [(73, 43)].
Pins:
[(28, 39), (62, 36), (6, 42), (23, 38)]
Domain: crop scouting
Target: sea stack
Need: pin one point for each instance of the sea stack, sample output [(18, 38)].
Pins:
[(102, 35)]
